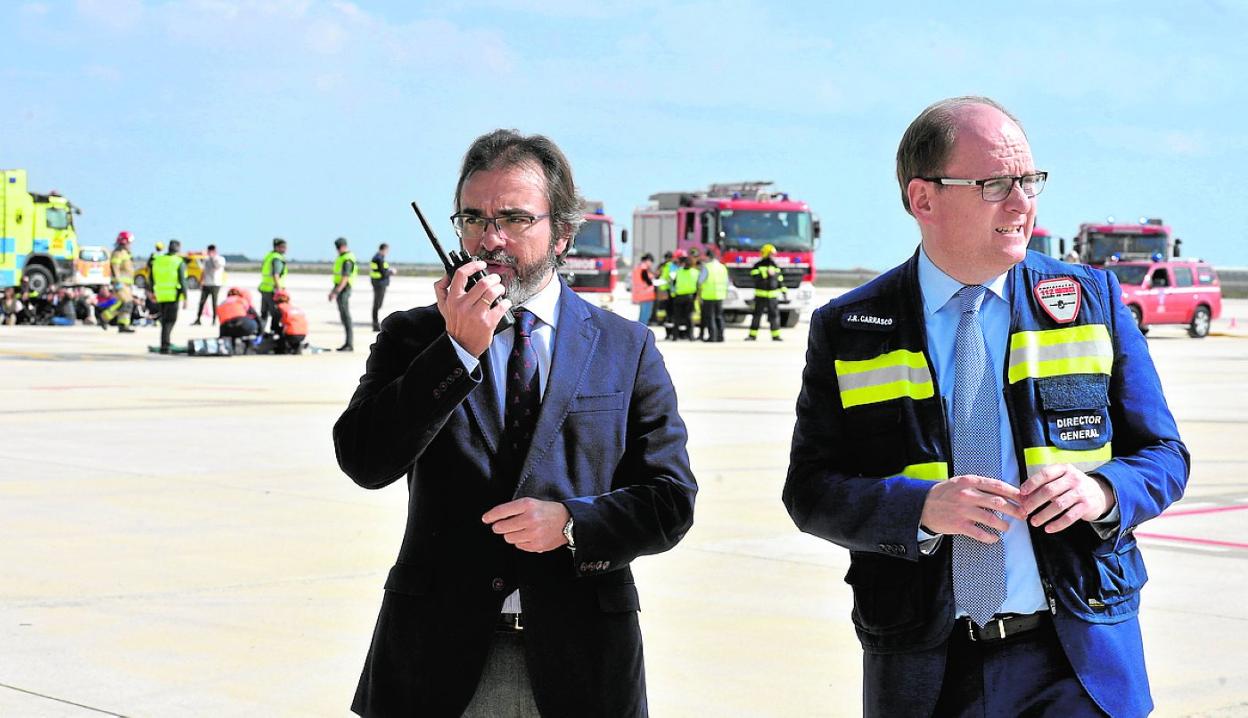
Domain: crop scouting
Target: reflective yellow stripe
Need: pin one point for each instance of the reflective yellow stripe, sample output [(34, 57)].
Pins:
[(888, 376), (1038, 457), (1084, 349), (933, 471)]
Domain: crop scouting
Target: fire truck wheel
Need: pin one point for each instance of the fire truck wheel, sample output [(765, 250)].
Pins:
[(39, 277), (1139, 318), (789, 319), (1199, 328)]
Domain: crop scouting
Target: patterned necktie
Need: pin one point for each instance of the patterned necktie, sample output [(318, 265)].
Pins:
[(524, 395), (978, 568)]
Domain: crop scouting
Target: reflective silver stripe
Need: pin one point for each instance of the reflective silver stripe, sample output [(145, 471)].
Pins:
[(1084, 349), (1039, 457), (885, 375)]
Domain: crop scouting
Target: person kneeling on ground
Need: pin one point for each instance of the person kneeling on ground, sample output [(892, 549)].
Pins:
[(238, 319), (294, 325)]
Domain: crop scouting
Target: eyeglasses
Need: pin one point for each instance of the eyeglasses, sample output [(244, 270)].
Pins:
[(995, 189), (473, 226)]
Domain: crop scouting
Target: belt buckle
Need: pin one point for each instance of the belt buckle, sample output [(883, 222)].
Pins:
[(513, 621), (1001, 627), (970, 629)]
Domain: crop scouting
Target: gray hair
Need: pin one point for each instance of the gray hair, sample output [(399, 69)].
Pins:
[(501, 149), (929, 139)]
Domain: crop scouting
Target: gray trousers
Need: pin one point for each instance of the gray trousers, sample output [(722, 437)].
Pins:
[(504, 690), (344, 313)]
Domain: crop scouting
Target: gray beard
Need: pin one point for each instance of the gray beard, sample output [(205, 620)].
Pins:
[(527, 280)]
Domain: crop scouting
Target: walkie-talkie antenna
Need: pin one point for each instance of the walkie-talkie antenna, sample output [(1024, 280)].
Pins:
[(433, 238)]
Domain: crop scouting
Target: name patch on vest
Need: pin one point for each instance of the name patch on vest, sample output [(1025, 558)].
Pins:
[(1079, 429), (1060, 298), (872, 322)]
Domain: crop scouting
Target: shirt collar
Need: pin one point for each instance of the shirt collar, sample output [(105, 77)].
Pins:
[(545, 304), (938, 288)]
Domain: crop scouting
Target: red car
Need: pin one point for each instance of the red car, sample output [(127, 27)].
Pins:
[(1173, 292)]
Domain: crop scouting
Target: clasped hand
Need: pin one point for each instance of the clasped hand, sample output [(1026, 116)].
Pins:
[(529, 524), (1055, 497)]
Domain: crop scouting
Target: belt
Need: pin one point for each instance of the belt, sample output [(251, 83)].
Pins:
[(1003, 626), (510, 622)]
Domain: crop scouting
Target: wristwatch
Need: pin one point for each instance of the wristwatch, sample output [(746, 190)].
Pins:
[(567, 534)]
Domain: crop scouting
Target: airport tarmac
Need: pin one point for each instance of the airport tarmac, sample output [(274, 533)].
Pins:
[(177, 539)]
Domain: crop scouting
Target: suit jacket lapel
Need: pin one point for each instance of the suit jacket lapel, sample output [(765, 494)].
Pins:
[(576, 340), (484, 407)]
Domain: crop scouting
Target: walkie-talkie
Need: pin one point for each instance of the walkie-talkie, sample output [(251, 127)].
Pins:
[(456, 260)]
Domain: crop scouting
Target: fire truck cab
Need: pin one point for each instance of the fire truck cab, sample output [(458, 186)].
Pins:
[(1158, 291), (590, 267), (1098, 243), (738, 219)]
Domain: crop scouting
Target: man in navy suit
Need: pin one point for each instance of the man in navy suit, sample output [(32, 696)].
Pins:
[(540, 461), (983, 428)]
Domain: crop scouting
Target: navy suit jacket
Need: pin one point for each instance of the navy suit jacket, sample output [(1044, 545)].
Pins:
[(609, 444)]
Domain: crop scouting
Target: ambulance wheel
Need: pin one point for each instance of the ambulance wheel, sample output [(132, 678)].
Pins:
[(789, 319), (1138, 316), (39, 278), (1199, 328), (192, 283)]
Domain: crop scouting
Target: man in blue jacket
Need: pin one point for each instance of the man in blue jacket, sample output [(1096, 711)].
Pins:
[(540, 460), (983, 429)]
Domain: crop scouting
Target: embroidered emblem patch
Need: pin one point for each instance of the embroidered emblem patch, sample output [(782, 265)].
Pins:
[(1060, 297)]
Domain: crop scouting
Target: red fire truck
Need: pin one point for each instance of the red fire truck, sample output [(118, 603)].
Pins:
[(590, 267), (1042, 242), (738, 218), (1150, 239)]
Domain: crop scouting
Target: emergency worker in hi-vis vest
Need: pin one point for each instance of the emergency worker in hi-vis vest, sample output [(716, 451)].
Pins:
[(983, 428)]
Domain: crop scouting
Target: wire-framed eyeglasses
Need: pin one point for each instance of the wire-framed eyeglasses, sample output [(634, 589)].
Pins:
[(473, 226), (995, 189)]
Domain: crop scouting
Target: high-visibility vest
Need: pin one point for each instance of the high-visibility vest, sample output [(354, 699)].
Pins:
[(232, 308), (686, 282), (716, 284), (378, 268), (165, 277), (294, 321), (338, 265), (642, 292), (122, 266), (267, 283)]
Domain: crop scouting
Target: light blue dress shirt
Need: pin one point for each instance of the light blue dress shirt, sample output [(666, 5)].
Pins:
[(1024, 590)]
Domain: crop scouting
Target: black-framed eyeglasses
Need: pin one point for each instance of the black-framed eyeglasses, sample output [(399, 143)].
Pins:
[(995, 189), (473, 226)]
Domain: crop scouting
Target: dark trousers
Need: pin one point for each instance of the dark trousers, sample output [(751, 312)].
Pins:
[(713, 319), (269, 316), (379, 293), (240, 327), (344, 313), (682, 311), (771, 306), (1026, 675), (168, 317), (204, 293)]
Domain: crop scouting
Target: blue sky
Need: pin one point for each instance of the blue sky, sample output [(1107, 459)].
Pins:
[(233, 121)]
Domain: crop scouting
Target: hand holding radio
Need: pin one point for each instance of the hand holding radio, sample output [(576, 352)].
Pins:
[(470, 299)]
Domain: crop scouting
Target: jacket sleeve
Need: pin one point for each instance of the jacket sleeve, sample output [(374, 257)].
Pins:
[(408, 391), (651, 507), (825, 499), (1151, 464)]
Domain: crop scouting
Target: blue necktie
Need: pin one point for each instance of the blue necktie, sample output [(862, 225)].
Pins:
[(524, 394), (978, 568)]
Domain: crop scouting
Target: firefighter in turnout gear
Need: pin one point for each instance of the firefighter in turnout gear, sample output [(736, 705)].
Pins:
[(768, 286)]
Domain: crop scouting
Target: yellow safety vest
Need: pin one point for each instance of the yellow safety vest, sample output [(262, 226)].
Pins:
[(165, 277), (716, 285), (338, 264), (686, 282), (266, 271)]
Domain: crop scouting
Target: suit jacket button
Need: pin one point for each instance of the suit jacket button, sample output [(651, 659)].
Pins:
[(498, 584)]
